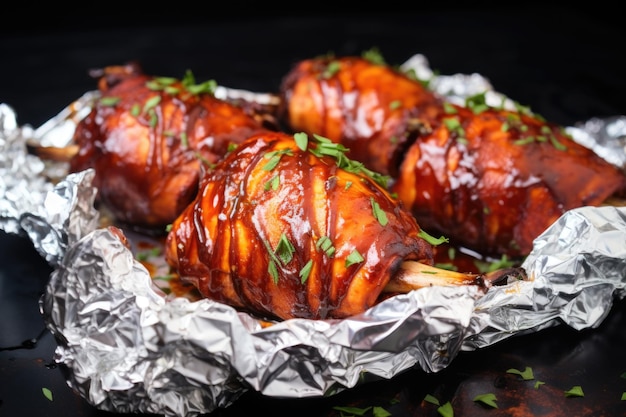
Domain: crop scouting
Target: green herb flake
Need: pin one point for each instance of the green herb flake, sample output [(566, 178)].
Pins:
[(272, 184), (431, 239), (380, 412), (184, 140), (503, 262), (47, 393), (452, 123), (526, 374), (477, 103), (135, 110), (151, 103), (171, 90), (305, 271), (374, 56), (446, 410), (332, 68), (273, 271), (623, 396), (379, 214), (354, 258), (302, 140), (153, 118), (538, 384), (274, 158), (524, 141), (575, 391), (449, 108), (447, 266), (284, 249), (558, 145), (326, 245), (355, 411), (109, 101), (207, 87), (487, 399), (326, 147), (396, 104), (431, 399)]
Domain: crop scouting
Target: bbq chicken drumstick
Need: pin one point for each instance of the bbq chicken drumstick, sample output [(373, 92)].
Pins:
[(146, 138), (287, 226), (489, 179), (371, 109)]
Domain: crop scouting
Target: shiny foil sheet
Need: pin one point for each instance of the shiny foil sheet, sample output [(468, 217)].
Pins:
[(129, 346)]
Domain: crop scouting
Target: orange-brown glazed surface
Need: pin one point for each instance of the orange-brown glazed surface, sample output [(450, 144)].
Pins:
[(489, 179), (146, 137), (276, 230), (374, 110)]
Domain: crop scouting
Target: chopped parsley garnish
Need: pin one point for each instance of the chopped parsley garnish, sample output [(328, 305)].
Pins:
[(274, 158), (575, 391), (47, 393), (374, 56), (354, 258), (477, 103), (284, 249), (487, 399), (109, 101), (379, 214), (326, 245), (526, 374), (431, 239), (306, 271), (396, 104), (332, 68), (326, 147)]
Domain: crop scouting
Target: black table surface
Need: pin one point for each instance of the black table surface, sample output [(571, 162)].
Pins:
[(565, 63)]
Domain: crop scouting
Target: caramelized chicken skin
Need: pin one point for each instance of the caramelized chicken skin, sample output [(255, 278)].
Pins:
[(146, 138), (286, 228), (496, 179), (373, 110), (282, 232), (489, 179)]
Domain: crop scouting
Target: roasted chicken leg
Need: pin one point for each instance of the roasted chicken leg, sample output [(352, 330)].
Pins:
[(489, 179), (147, 137), (286, 226), (373, 110)]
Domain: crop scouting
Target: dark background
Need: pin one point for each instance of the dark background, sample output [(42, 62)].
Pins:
[(566, 63)]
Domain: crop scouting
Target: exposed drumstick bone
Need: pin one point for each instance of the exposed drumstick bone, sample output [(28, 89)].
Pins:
[(414, 275), (52, 153)]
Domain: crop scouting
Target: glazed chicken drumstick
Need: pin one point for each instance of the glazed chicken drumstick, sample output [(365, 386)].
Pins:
[(146, 138), (287, 226), (489, 179)]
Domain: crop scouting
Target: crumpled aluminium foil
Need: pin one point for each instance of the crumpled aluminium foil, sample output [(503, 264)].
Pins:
[(130, 347)]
